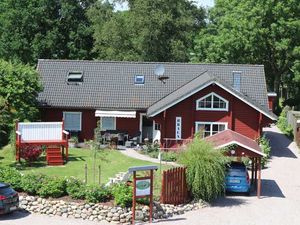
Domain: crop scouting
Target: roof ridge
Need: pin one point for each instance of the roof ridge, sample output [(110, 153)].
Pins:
[(148, 62)]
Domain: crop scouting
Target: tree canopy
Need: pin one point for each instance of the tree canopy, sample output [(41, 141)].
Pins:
[(19, 87), (161, 30), (35, 29), (254, 32)]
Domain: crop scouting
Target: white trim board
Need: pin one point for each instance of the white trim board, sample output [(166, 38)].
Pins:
[(121, 114), (204, 86)]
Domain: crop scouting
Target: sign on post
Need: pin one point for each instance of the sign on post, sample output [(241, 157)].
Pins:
[(142, 187)]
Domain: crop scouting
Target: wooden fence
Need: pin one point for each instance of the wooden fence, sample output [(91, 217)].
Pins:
[(174, 187)]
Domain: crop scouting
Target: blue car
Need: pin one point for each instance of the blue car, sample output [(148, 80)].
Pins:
[(237, 178)]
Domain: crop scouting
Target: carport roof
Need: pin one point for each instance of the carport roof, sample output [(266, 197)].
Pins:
[(230, 137)]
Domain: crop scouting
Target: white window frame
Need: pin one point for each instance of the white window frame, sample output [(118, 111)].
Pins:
[(212, 94), (115, 123), (211, 124), (80, 121)]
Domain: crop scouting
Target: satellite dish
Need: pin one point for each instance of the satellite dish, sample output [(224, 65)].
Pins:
[(159, 70)]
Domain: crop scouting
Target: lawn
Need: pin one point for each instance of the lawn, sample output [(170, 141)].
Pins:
[(111, 162)]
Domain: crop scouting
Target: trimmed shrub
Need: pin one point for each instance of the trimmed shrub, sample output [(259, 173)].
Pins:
[(75, 188), (54, 187), (205, 169), (11, 176), (122, 194), (95, 194), (31, 183), (30, 153)]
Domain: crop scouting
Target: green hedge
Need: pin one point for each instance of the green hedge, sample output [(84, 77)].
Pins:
[(31, 183), (75, 188), (50, 186), (11, 176), (122, 194)]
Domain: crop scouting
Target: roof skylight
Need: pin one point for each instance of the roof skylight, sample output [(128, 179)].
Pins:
[(139, 79), (75, 76)]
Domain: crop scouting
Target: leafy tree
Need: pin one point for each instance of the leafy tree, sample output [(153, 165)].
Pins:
[(254, 31), (19, 87), (161, 30), (44, 29)]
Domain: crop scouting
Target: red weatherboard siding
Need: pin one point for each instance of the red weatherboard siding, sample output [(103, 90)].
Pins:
[(246, 120), (131, 125), (240, 117), (89, 121)]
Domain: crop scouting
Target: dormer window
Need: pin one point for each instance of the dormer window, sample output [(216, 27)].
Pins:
[(139, 79), (75, 77), (237, 80), (212, 102)]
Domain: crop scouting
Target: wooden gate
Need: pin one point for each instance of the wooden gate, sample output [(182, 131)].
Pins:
[(174, 187)]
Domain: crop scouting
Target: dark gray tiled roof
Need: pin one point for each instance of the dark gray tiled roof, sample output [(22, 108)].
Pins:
[(181, 93), (110, 85)]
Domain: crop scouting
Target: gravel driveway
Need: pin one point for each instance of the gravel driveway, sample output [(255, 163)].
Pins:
[(279, 205), (280, 202)]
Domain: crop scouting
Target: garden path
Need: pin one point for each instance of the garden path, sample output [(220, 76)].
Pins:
[(134, 154)]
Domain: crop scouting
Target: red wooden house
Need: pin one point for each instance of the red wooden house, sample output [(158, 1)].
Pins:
[(130, 97)]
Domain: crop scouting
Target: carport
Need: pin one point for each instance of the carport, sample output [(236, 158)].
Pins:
[(241, 146)]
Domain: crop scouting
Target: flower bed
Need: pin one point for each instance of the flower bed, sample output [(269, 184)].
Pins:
[(92, 202)]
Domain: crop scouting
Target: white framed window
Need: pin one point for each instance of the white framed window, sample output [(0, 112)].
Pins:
[(212, 102), (108, 123), (72, 121), (210, 128)]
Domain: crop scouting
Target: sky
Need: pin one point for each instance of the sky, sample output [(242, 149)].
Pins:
[(205, 3)]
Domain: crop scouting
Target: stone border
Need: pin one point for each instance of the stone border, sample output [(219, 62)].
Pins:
[(99, 212)]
